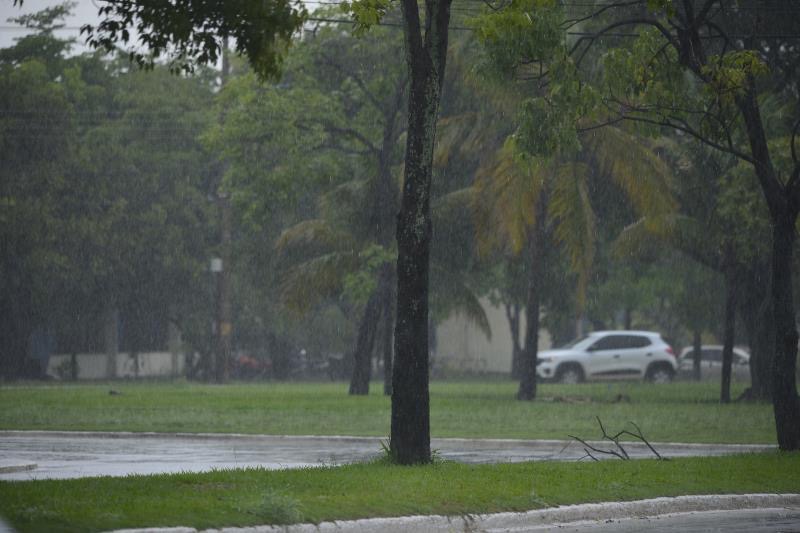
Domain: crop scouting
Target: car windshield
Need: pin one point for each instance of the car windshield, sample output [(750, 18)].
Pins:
[(572, 343)]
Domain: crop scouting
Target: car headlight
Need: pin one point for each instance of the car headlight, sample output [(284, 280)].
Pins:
[(544, 360)]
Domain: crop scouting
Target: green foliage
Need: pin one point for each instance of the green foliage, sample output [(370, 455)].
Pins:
[(193, 33), (730, 73), (365, 13), (360, 284)]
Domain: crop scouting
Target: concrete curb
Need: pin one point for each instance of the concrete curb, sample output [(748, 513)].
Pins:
[(510, 521)]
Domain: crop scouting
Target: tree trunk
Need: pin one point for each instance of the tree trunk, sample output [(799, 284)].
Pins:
[(383, 205), (697, 354), (782, 201), (512, 314), (755, 308), (410, 426), (728, 339), (365, 343), (784, 385), (527, 383)]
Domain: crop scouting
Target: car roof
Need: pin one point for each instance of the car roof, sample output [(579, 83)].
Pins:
[(624, 332)]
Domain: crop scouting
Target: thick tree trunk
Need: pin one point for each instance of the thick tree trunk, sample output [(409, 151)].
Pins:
[(783, 204), (527, 383), (755, 308), (728, 339), (425, 54), (784, 385), (697, 355)]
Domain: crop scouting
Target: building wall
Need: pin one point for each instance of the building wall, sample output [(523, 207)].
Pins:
[(461, 347), (95, 365)]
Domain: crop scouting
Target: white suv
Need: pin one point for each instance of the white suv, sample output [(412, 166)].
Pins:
[(610, 355)]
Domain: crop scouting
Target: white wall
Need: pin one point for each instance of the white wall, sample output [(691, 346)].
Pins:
[(94, 365), (462, 346)]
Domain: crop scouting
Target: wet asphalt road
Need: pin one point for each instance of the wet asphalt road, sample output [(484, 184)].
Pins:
[(58, 455)]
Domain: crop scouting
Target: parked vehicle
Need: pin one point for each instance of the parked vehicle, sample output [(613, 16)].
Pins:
[(711, 362), (610, 355)]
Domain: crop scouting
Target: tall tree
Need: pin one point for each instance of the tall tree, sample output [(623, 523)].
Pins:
[(426, 37), (192, 32), (529, 204)]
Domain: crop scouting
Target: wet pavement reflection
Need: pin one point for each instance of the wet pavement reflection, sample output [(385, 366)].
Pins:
[(59, 455)]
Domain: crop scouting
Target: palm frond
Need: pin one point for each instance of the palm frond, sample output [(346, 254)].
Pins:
[(454, 207), (312, 235), (680, 232), (452, 294), (575, 222), (349, 195), (315, 280), (636, 168), (506, 193)]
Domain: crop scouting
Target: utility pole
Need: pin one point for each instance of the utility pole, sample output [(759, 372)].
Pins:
[(224, 314)]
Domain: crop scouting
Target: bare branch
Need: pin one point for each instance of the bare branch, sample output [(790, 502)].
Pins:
[(622, 453), (569, 23)]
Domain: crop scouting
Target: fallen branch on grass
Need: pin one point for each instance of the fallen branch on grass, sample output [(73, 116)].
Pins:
[(619, 450)]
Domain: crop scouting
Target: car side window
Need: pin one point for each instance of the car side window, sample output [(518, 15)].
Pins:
[(713, 355), (637, 341), (612, 342), (620, 342)]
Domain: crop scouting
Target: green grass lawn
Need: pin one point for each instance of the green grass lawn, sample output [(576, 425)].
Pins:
[(678, 412), (251, 497)]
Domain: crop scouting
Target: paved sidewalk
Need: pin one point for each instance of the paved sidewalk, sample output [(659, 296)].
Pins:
[(775, 512)]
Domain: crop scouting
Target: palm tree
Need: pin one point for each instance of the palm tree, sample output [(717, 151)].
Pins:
[(524, 204)]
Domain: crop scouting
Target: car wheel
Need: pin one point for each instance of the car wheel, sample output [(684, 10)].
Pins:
[(569, 375), (660, 375)]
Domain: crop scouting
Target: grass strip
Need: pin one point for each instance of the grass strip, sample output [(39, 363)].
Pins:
[(254, 496), (677, 412)]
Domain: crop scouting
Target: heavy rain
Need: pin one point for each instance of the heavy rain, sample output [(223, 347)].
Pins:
[(261, 260)]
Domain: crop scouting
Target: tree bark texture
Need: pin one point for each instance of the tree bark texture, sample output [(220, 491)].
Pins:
[(782, 202), (785, 403), (529, 356), (425, 55)]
